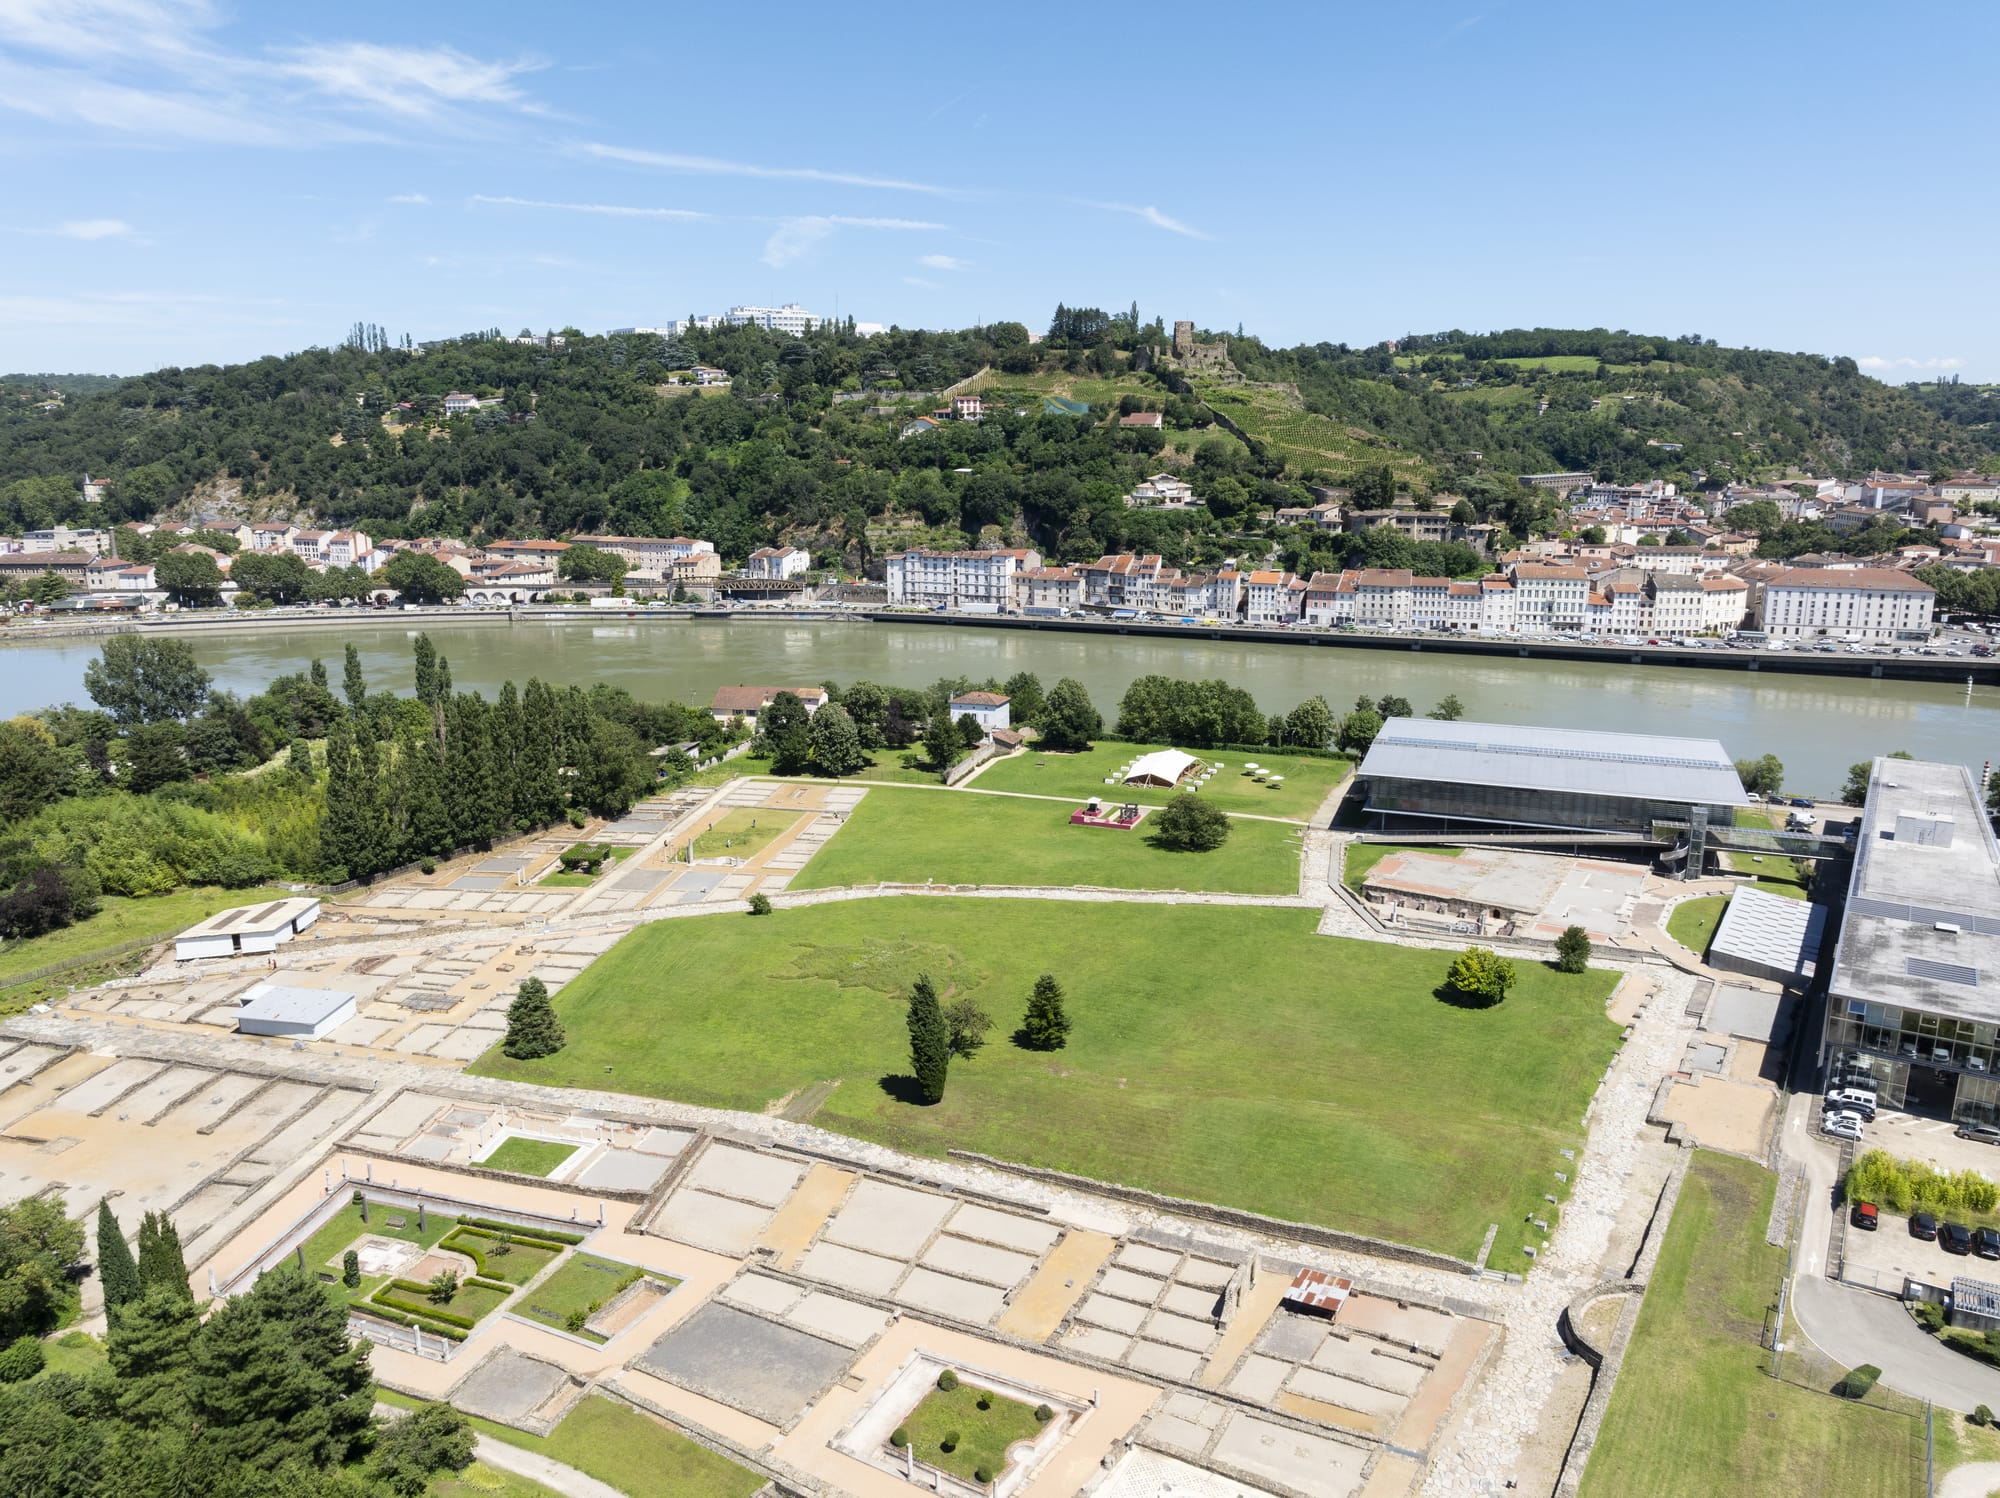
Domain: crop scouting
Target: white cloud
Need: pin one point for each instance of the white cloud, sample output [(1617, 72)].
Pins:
[(409, 197), (1154, 217), (1906, 362), (616, 210), (409, 81), (717, 167), (944, 262), (95, 228), (796, 238)]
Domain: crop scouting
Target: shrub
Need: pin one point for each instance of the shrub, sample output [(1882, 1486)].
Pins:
[(982, 1474), (1857, 1382), (350, 1269), (950, 1441), (576, 1320), (1930, 1317), (442, 1287), (576, 817), (985, 1401), (900, 1437), (760, 903), (429, 865), (1043, 1414), (21, 1359), (1980, 1415), (947, 1381), (1481, 976), (1573, 950), (1904, 1186), (1191, 825)]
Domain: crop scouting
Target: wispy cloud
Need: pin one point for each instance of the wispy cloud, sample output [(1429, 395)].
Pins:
[(944, 262), (409, 81), (615, 210), (714, 166), (795, 238), (408, 197), (1154, 217), (1940, 363), (96, 228)]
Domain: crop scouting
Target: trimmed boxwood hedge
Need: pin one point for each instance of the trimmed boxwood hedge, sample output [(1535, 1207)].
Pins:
[(515, 1230), (399, 1318)]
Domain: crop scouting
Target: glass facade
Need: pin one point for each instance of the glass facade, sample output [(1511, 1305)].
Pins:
[(1944, 1050), (1520, 806)]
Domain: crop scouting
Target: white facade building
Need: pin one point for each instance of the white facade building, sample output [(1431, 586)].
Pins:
[(778, 561), (1549, 597), (790, 318), (1868, 603), (980, 582), (990, 710)]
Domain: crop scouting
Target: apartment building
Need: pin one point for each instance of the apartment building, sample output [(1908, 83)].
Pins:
[(1867, 603), (1550, 597), (778, 562), (976, 581), (651, 556)]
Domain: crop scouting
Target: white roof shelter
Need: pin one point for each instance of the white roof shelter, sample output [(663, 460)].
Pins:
[(292, 1013), (246, 928), (1162, 767)]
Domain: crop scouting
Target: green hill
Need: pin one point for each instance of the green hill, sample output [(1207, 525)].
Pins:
[(806, 443)]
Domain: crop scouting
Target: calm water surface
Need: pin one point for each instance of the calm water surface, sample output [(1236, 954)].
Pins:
[(1816, 725)]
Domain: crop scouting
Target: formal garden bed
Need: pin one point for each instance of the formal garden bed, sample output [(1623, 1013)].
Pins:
[(511, 1256), (529, 1157), (571, 1298)]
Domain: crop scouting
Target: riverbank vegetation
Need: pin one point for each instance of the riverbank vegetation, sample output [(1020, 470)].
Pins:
[(1199, 1035)]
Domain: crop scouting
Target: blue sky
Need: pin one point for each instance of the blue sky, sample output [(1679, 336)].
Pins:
[(192, 180)]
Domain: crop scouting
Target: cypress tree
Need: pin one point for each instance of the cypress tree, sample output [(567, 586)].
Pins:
[(538, 796), (117, 1270), (374, 836), (1045, 1027), (532, 1027), (342, 843), (299, 759), (468, 781), (161, 1266), (352, 685), (930, 1040), (318, 674), (426, 817), (507, 735)]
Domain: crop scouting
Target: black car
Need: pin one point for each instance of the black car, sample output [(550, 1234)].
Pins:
[(1986, 1243), (1956, 1238), (1923, 1225), (1805, 801)]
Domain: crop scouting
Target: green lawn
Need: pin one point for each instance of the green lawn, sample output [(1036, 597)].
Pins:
[(578, 879), (1694, 1411), (1046, 773), (529, 1157), (73, 1352), (952, 837), (905, 766), (324, 1248), (741, 832), (1226, 1054), (981, 1436), (1362, 858), (634, 1453), (121, 919), (584, 1283), (474, 1301), (482, 1481), (523, 1259), (1693, 922)]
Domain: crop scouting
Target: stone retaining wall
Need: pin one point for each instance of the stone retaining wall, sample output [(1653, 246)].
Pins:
[(1233, 1217)]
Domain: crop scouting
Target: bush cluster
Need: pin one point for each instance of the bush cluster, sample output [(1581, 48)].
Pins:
[(1905, 1186), (1856, 1383), (587, 857)]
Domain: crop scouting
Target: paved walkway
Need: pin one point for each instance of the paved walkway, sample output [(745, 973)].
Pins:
[(550, 1474), (1974, 1480)]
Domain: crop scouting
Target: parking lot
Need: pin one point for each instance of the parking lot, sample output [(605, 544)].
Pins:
[(1888, 1254)]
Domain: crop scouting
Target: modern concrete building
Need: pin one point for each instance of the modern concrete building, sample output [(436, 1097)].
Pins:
[(246, 928), (292, 1013), (1421, 774), (1763, 935), (1914, 998)]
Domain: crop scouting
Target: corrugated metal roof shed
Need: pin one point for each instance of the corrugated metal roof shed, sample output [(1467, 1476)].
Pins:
[(1531, 757), (1769, 934)]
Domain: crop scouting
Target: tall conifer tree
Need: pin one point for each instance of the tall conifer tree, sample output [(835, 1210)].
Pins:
[(117, 1270)]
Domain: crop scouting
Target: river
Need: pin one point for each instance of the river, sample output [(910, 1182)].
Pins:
[(1817, 725)]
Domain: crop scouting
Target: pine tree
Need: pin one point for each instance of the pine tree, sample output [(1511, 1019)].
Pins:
[(299, 759), (1045, 1027), (930, 1040), (352, 685), (117, 1270), (161, 1266), (318, 674), (274, 1378), (150, 1343), (532, 1027), (1573, 950)]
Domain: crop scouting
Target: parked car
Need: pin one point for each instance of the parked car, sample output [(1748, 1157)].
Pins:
[(1923, 1225), (1853, 1100), (1865, 1217), (1986, 1243), (1842, 1125), (1805, 801), (1955, 1238), (1980, 1133)]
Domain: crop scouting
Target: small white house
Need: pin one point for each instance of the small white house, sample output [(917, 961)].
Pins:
[(292, 1013), (988, 709), (246, 928)]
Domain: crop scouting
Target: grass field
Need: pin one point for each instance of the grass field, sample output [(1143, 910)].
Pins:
[(905, 766), (1694, 1412), (740, 833), (1304, 439), (73, 1352), (559, 879), (634, 1453), (1693, 922), (523, 1260), (953, 837), (1221, 1053), (482, 1481), (529, 1157), (324, 1248), (982, 1436), (120, 919), (1362, 858), (584, 1283), (1047, 773)]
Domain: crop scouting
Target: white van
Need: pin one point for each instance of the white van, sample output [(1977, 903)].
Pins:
[(1852, 1099)]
